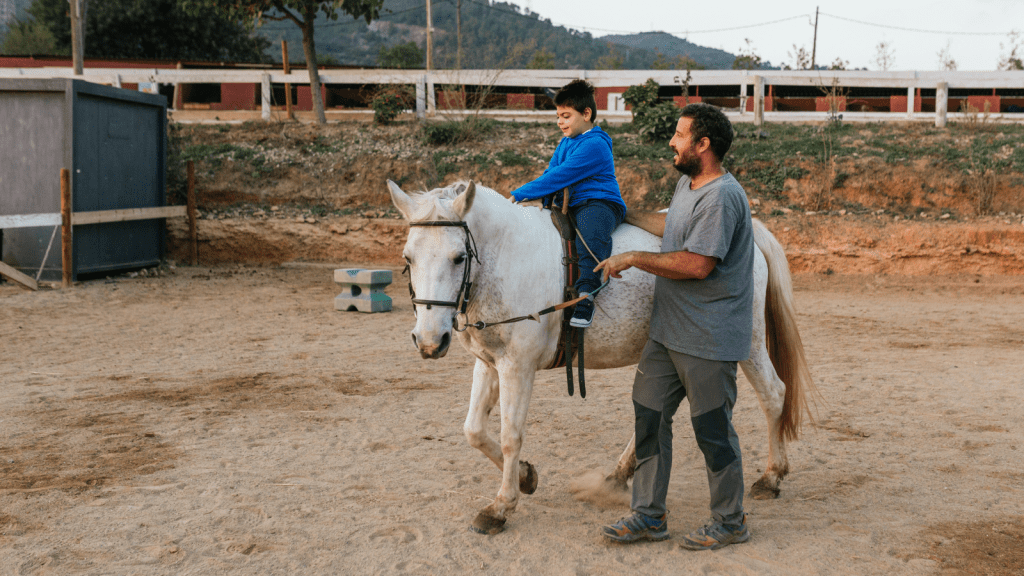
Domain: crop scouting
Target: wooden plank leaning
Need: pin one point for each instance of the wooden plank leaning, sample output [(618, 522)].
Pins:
[(25, 280)]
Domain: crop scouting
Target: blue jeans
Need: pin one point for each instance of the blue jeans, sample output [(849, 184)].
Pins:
[(595, 220)]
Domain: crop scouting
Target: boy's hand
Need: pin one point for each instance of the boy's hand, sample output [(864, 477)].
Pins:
[(614, 266)]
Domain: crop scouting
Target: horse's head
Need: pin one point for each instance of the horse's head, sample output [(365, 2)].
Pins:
[(439, 260)]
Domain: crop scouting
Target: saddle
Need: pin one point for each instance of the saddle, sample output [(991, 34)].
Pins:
[(570, 340)]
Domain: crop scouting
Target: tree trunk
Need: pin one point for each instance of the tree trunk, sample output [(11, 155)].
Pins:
[(309, 47)]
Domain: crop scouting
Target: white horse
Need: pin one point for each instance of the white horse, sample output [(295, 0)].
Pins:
[(518, 271)]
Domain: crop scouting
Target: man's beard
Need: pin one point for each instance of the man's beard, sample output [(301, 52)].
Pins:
[(688, 165)]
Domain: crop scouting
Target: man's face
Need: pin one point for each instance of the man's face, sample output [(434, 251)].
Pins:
[(686, 159), (571, 122)]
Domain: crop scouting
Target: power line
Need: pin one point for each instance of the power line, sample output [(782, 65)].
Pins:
[(921, 30)]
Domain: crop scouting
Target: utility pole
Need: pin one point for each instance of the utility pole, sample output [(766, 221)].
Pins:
[(77, 41), (430, 39), (458, 34), (814, 46)]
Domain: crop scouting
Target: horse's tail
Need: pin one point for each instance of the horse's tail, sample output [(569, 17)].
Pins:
[(785, 348)]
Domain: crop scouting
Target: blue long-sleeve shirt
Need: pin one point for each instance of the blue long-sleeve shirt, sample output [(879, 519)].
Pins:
[(585, 165)]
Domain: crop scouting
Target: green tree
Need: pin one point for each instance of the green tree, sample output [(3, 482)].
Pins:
[(610, 61), (406, 55), (747, 58), (159, 29), (303, 14), (29, 37), (543, 59)]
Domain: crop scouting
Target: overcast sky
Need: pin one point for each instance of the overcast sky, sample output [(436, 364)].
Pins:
[(956, 23)]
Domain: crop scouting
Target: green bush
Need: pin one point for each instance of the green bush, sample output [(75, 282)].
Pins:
[(450, 132), (657, 122), (641, 96), (387, 104)]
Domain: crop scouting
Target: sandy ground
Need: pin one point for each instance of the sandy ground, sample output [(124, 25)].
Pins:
[(228, 421)]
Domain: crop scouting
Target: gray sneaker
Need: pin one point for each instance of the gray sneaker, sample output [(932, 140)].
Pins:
[(715, 535), (635, 527)]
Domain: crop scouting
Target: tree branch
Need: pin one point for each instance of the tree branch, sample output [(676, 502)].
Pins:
[(288, 13)]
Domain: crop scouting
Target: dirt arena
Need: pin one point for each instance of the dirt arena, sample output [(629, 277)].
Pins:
[(227, 420)]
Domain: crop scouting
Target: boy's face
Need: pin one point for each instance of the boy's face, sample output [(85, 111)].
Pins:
[(571, 122)]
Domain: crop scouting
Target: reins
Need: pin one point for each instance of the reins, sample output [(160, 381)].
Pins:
[(465, 290)]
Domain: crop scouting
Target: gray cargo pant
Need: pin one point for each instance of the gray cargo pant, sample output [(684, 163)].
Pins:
[(664, 377)]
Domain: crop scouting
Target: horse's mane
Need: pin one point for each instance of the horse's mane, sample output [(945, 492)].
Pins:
[(436, 204)]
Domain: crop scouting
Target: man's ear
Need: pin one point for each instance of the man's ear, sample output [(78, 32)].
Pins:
[(588, 114), (703, 144)]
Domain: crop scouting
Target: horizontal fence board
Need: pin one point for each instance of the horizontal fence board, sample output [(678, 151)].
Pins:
[(104, 216), (29, 221), (542, 78)]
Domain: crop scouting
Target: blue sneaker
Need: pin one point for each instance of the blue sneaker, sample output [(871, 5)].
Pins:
[(636, 527), (584, 314)]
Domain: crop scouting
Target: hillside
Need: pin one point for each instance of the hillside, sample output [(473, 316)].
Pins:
[(672, 47), (495, 34)]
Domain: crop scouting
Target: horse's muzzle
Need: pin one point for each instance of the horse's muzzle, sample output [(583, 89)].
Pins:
[(433, 351)]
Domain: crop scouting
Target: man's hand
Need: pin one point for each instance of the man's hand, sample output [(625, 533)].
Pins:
[(614, 265)]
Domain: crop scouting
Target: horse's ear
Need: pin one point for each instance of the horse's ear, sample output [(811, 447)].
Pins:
[(463, 202), (401, 200)]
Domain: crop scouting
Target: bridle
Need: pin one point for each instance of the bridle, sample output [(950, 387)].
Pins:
[(466, 288)]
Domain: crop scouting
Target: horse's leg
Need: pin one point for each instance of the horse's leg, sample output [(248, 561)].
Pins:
[(482, 399), (481, 402), (624, 468), (771, 392), (516, 386)]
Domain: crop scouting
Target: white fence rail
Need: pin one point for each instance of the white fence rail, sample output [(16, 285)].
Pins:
[(424, 81)]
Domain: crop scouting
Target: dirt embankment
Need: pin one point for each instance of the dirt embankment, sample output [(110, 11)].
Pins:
[(283, 192)]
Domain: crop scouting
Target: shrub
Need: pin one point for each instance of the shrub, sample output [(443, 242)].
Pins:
[(657, 122), (387, 104), (450, 132)]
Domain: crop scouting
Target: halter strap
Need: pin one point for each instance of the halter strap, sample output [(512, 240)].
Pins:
[(465, 289)]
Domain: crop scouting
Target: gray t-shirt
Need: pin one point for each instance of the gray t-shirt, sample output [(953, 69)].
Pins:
[(710, 318)]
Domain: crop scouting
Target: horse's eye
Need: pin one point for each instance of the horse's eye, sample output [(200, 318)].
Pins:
[(459, 259)]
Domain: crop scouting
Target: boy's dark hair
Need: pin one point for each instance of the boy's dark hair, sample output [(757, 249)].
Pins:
[(578, 95), (710, 122)]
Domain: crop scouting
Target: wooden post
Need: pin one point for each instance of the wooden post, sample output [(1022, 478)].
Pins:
[(77, 42), (193, 234), (430, 39), (65, 235), (941, 104), (758, 100), (743, 97), (287, 86)]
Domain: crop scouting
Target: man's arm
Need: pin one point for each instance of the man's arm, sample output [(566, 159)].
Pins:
[(653, 222), (681, 265)]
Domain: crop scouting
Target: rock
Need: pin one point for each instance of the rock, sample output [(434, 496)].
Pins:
[(842, 212), (338, 228), (755, 201), (944, 216), (275, 208), (785, 210), (300, 218)]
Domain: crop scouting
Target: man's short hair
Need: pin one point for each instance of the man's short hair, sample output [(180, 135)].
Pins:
[(710, 122), (578, 95)]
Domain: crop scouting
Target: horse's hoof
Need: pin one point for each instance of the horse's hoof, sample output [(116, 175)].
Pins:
[(528, 485), (764, 490), (616, 484), (484, 524)]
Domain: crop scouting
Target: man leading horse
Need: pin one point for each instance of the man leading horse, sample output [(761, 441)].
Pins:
[(700, 328)]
